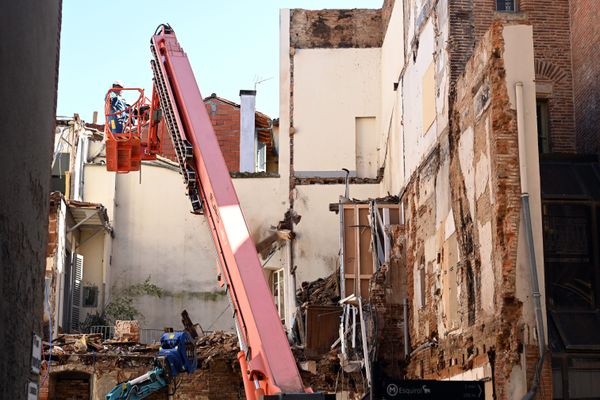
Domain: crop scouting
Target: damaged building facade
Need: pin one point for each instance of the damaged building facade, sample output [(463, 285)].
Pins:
[(159, 257), (410, 141), (463, 110)]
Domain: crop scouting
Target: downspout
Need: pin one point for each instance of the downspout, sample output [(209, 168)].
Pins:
[(535, 286)]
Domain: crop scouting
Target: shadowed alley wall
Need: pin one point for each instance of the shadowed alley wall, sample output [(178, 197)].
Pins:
[(30, 32)]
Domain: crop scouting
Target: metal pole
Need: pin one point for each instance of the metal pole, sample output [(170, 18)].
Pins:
[(405, 327)]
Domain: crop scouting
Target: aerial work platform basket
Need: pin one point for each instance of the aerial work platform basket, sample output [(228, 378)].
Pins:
[(127, 131)]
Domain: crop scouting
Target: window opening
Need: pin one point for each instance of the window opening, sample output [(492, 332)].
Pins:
[(506, 5), (278, 290), (543, 126)]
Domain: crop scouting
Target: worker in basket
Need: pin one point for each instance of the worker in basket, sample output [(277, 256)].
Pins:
[(118, 109)]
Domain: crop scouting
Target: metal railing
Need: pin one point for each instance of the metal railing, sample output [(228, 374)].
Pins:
[(147, 335)]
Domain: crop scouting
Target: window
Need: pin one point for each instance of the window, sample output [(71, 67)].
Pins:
[(428, 85), (90, 296), (366, 147), (358, 258), (568, 254), (261, 157), (543, 126), (278, 290), (60, 166), (506, 5)]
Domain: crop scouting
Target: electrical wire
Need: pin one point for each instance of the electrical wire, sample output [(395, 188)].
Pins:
[(220, 315)]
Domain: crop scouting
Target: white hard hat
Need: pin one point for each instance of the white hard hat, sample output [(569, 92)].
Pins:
[(118, 83)]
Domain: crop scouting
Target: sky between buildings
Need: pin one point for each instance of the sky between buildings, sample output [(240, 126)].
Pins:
[(231, 45)]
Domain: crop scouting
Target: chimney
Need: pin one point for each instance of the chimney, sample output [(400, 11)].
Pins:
[(247, 131)]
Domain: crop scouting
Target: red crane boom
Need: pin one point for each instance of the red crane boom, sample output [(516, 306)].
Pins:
[(268, 366)]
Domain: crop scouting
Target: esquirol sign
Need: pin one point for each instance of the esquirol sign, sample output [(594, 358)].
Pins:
[(429, 390)]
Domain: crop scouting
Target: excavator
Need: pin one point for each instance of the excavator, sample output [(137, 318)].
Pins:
[(176, 109)]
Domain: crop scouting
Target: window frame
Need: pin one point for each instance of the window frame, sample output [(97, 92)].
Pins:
[(501, 3), (278, 286)]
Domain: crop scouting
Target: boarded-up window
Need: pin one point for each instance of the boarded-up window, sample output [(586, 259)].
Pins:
[(366, 147), (449, 260), (428, 97), (358, 257)]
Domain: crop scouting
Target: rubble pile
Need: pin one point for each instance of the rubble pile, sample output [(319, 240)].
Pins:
[(323, 291), (66, 345), (217, 346), (326, 374)]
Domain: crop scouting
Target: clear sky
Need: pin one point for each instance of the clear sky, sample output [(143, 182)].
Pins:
[(230, 44)]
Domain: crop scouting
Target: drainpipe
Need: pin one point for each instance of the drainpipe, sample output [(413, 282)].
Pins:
[(535, 286)]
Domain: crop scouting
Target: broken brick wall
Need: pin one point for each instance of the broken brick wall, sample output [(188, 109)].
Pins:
[(470, 19), (585, 42), (462, 225), (387, 291), (220, 379), (51, 272), (331, 28)]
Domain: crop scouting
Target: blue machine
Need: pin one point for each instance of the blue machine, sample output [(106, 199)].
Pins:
[(177, 354)]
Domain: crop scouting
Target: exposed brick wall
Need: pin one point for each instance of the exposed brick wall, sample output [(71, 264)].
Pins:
[(216, 379), (226, 122), (71, 389), (447, 345), (52, 228), (386, 13), (585, 42), (470, 19), (387, 289), (545, 385), (345, 28), (225, 118)]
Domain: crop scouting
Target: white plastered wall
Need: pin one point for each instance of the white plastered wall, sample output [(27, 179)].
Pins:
[(392, 62), (332, 87), (157, 236), (418, 140)]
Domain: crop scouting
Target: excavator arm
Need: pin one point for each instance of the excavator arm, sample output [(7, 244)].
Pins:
[(268, 366)]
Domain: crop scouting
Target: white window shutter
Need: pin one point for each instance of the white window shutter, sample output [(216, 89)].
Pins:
[(77, 291)]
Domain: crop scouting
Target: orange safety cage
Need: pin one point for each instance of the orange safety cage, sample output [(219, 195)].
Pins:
[(127, 133)]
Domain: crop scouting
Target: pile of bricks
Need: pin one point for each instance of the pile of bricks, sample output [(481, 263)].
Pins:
[(127, 331)]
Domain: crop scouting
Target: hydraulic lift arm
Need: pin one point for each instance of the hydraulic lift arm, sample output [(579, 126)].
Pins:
[(177, 354), (268, 367)]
